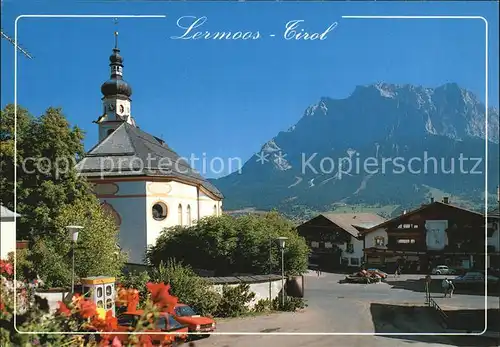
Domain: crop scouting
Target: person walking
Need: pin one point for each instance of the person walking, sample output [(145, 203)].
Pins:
[(397, 272), (451, 288), (446, 287)]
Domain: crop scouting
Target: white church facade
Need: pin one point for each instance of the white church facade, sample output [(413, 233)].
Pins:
[(138, 178)]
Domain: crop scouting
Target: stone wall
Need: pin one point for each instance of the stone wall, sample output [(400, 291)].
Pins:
[(264, 286), (52, 296)]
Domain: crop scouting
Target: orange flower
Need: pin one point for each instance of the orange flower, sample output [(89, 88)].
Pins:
[(161, 296), (145, 341), (63, 310), (122, 299), (87, 308), (108, 324), (76, 299)]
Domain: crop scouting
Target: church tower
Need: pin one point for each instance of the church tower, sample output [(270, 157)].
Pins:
[(116, 100)]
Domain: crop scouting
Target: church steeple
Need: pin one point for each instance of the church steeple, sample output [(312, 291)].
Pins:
[(116, 96), (116, 86)]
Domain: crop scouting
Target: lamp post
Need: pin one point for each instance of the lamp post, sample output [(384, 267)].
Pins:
[(270, 268), (73, 231), (281, 241)]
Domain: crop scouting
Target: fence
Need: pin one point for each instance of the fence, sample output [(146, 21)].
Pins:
[(432, 303)]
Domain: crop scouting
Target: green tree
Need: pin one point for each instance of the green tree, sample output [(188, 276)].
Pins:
[(228, 245), (96, 252), (190, 288), (47, 150), (51, 195)]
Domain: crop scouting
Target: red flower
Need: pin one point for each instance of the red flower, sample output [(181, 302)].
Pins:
[(87, 309), (161, 296), (6, 267), (145, 341), (63, 309)]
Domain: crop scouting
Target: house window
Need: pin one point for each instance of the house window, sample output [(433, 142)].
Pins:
[(406, 241), (160, 211), (328, 245), (350, 248), (188, 215), (354, 261), (215, 210), (314, 244), (179, 214), (379, 241)]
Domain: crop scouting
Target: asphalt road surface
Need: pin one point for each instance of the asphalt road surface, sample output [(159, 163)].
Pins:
[(384, 308)]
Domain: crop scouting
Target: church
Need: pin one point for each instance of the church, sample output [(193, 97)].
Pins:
[(138, 178)]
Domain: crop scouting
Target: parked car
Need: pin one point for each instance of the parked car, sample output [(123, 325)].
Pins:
[(186, 315), (443, 270), (475, 277), (165, 323), (378, 272)]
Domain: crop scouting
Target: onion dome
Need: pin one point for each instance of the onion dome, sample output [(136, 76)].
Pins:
[(116, 85)]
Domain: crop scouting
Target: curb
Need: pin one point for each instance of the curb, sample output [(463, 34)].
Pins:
[(487, 334)]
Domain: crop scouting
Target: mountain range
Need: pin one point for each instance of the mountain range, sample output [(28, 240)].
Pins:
[(387, 147)]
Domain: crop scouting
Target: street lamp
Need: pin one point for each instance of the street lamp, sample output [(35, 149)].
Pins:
[(281, 241), (73, 231)]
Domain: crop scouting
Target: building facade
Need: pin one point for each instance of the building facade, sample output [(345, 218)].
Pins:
[(139, 179), (437, 233), (335, 239), (7, 232)]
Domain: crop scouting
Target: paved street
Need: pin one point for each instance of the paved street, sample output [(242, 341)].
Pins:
[(351, 308)]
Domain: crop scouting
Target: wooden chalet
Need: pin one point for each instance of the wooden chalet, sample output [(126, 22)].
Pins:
[(437, 233), (335, 239)]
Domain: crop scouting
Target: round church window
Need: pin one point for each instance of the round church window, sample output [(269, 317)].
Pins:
[(159, 211)]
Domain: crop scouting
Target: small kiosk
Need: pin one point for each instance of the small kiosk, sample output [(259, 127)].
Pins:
[(101, 290)]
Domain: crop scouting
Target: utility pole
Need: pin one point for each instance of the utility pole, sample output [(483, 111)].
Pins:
[(19, 48)]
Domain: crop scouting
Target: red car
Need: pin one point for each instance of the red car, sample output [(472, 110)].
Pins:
[(165, 323), (184, 314)]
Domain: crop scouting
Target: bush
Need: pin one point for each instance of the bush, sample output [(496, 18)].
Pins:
[(191, 289), (263, 305), (235, 301), (292, 304), (229, 245)]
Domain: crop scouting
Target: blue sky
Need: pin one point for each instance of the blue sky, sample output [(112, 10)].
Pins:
[(227, 98)]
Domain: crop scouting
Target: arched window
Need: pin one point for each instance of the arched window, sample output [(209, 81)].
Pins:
[(159, 211), (188, 215), (179, 214), (215, 210)]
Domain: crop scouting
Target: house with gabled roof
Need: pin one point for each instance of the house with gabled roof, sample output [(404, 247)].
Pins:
[(140, 180), (436, 233), (335, 239)]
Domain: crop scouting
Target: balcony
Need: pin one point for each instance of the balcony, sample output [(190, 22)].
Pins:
[(406, 245)]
